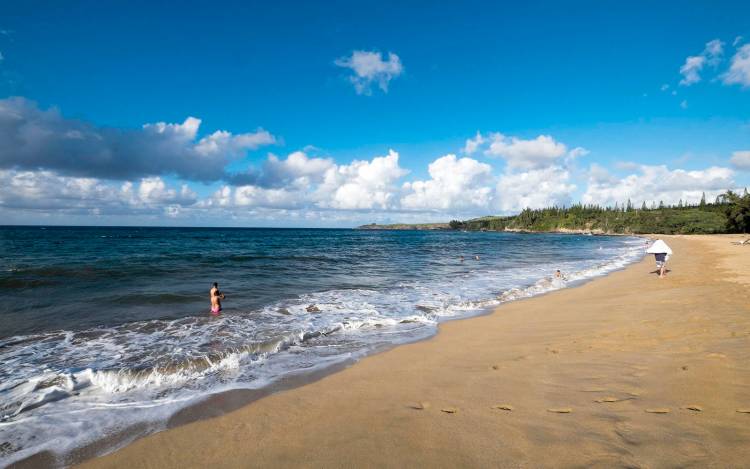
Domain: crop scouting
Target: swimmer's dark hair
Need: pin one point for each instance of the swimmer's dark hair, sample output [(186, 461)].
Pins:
[(216, 285)]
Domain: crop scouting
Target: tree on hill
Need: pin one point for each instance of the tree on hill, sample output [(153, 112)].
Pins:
[(703, 200), (737, 210)]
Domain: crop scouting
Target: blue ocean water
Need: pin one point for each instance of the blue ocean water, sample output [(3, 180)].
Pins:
[(103, 328)]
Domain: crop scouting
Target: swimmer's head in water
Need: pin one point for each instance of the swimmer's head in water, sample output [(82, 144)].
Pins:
[(216, 285)]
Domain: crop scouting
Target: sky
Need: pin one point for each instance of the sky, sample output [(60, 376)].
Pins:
[(335, 114)]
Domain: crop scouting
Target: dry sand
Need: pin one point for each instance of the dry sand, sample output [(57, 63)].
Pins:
[(625, 371)]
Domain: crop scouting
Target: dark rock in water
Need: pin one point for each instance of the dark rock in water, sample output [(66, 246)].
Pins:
[(424, 309), (284, 311), (312, 309), (6, 448)]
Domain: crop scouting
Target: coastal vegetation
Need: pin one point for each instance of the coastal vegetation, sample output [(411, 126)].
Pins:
[(728, 213)]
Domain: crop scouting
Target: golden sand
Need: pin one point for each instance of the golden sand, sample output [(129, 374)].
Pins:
[(627, 370)]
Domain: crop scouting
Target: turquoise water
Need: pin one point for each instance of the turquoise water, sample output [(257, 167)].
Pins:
[(102, 328)]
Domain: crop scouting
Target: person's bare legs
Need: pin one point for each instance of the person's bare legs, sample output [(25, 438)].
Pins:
[(662, 270)]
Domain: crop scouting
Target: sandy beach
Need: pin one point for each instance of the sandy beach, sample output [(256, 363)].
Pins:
[(624, 371)]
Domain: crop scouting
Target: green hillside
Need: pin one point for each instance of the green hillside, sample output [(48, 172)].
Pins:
[(730, 213)]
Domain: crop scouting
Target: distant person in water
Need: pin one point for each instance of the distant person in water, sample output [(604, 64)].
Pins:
[(476, 258), (558, 274), (462, 258), (216, 297)]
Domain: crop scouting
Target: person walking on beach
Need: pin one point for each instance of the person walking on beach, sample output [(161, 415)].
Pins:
[(661, 253), (216, 297)]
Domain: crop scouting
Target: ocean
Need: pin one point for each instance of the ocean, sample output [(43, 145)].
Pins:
[(102, 329)]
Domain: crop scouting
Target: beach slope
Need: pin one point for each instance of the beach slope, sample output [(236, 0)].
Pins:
[(627, 370)]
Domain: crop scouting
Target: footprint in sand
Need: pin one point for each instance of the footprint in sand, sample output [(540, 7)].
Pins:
[(495, 367), (743, 411), (693, 407), (420, 406), (561, 410), (507, 407), (608, 399), (659, 410), (449, 410)]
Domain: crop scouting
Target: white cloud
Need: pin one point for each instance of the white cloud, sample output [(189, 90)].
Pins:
[(664, 87), (737, 41), (361, 184), (297, 166), (691, 70), (298, 169), (578, 152), (154, 191), (254, 196), (741, 160), (46, 190), (713, 51), (739, 68), (684, 104), (537, 188), (456, 183), (536, 153), (694, 64), (300, 182), (473, 144), (657, 183), (369, 67), (222, 142)]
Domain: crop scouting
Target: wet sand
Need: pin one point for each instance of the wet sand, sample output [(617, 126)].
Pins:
[(625, 371)]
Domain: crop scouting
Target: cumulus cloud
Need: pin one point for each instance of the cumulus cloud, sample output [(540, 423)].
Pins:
[(36, 139), (455, 183), (473, 144), (154, 191), (537, 188), (713, 51), (539, 152), (361, 184), (298, 169), (741, 160), (370, 68), (657, 183), (48, 191), (691, 69), (739, 68), (301, 182)]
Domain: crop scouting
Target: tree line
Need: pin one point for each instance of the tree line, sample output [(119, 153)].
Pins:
[(728, 213)]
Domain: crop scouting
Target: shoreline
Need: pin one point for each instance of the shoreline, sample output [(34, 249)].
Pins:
[(222, 402), (181, 434)]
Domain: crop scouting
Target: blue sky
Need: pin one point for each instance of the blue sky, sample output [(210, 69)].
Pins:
[(586, 74)]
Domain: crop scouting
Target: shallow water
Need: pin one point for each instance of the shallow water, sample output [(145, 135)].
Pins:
[(102, 328)]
